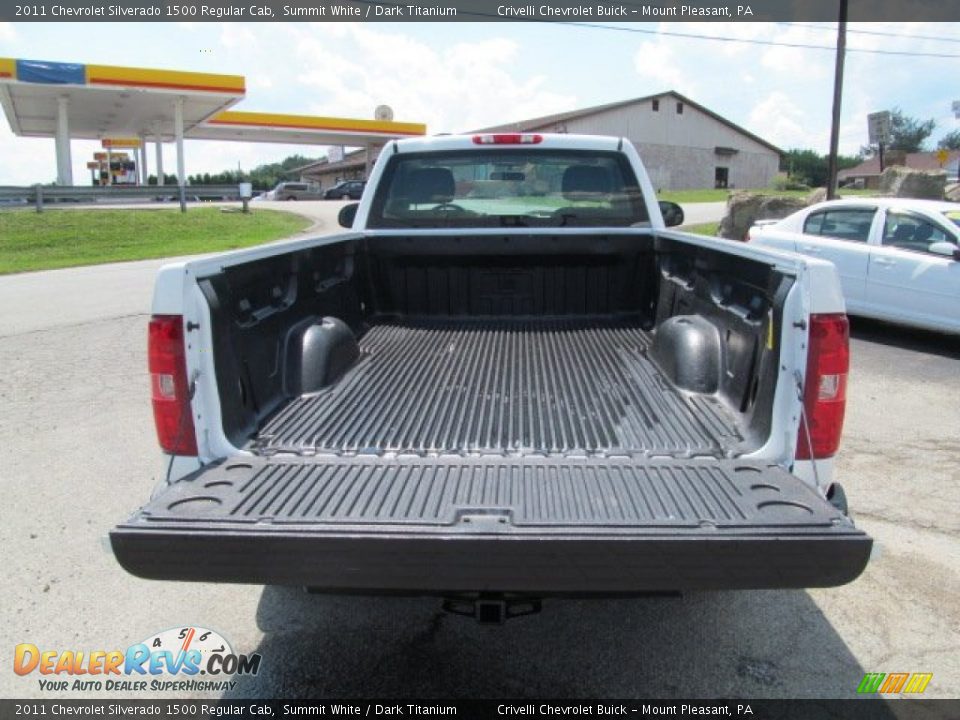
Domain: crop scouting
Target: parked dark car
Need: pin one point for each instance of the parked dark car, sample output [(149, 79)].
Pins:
[(352, 189)]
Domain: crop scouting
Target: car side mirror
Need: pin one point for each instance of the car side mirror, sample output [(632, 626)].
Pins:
[(672, 213), (947, 249), (347, 215)]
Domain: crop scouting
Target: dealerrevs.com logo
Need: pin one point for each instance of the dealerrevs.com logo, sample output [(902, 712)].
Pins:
[(179, 659)]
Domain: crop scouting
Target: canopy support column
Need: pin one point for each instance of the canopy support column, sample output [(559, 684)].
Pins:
[(64, 162), (178, 136), (142, 157), (159, 142)]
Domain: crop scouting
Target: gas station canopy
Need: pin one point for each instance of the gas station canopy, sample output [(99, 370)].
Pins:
[(300, 129), (68, 100), (106, 101)]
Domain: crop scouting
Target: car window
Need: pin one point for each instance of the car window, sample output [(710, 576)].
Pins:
[(911, 232), (814, 223), (842, 223), (953, 216)]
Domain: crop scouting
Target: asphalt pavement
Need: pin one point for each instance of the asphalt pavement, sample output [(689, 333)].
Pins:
[(79, 455)]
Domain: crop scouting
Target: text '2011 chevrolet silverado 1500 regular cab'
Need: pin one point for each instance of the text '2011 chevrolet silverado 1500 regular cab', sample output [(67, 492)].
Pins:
[(508, 379)]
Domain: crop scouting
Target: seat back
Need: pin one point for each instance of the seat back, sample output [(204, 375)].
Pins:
[(586, 182), (431, 185)]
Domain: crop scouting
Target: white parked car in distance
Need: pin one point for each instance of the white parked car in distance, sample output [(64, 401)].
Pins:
[(898, 258)]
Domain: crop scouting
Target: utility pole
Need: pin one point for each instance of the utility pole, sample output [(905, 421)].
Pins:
[(956, 114), (837, 97)]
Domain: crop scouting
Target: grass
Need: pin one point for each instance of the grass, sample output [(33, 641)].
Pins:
[(693, 196), (702, 229), (710, 195), (68, 238), (854, 192)]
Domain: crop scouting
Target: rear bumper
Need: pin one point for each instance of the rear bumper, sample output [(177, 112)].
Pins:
[(547, 526), (438, 564)]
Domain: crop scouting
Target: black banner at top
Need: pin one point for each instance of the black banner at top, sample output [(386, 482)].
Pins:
[(563, 11)]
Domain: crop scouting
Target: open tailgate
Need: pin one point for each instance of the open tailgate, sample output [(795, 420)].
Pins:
[(526, 525)]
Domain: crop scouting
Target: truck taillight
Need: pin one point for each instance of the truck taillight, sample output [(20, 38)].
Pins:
[(169, 387), (507, 139), (825, 386)]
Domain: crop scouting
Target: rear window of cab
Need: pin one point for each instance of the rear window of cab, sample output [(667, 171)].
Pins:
[(508, 187)]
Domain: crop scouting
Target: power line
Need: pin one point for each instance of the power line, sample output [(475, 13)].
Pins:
[(881, 33), (753, 41), (832, 28), (698, 36)]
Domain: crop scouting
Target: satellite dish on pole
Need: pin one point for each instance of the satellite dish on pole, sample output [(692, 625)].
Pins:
[(383, 113)]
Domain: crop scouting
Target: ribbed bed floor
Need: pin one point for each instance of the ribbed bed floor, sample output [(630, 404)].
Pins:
[(509, 387)]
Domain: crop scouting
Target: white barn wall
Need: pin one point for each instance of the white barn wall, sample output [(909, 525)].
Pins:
[(679, 150)]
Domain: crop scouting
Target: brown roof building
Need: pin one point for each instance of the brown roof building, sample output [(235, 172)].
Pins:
[(867, 173)]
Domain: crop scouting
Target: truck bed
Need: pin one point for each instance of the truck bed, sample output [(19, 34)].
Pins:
[(449, 414), (503, 386)]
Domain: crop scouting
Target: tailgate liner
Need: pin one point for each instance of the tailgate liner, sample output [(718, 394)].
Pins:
[(561, 386), (526, 493), (435, 525)]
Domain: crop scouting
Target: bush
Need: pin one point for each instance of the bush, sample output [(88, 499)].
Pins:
[(790, 183)]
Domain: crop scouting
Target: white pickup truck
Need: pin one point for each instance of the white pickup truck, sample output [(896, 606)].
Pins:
[(508, 380)]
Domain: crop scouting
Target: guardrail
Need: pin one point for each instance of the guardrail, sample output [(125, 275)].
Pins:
[(40, 196)]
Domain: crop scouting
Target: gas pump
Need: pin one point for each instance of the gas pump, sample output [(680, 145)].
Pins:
[(118, 168)]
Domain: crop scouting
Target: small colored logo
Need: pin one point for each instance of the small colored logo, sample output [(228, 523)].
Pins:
[(893, 683)]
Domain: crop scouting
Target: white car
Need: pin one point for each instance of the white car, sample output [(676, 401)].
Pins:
[(898, 259)]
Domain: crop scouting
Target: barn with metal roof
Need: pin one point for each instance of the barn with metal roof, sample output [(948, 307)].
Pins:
[(683, 144)]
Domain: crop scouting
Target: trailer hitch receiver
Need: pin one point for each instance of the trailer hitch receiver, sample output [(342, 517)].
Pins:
[(492, 609)]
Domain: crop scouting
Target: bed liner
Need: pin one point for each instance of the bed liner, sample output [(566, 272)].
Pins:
[(510, 386)]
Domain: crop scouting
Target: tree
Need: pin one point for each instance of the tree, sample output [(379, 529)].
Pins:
[(167, 179), (810, 168), (262, 177), (266, 177), (907, 134), (950, 141)]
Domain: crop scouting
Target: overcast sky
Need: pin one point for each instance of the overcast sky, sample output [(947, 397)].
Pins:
[(459, 76)]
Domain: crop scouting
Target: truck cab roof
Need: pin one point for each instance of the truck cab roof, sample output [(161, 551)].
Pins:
[(487, 140)]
